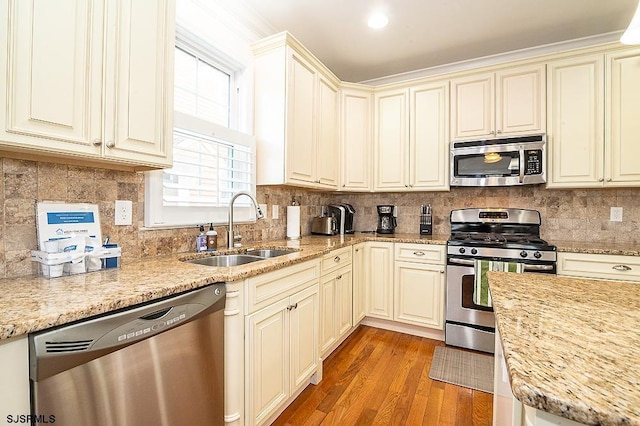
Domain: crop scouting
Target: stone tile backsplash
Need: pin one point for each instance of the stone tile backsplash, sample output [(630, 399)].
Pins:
[(566, 214)]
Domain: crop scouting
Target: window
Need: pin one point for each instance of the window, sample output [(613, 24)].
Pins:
[(211, 161)]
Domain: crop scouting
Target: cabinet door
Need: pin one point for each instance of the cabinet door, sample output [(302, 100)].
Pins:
[(53, 76), (328, 325), (380, 280), (472, 106), (327, 155), (344, 301), (267, 352), (520, 100), (622, 167), (356, 141), (429, 137), (575, 96), (359, 283), (391, 144), (419, 294), (304, 336), (139, 72), (301, 145)]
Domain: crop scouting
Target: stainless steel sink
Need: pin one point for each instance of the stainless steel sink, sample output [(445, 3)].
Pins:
[(266, 253), (226, 260)]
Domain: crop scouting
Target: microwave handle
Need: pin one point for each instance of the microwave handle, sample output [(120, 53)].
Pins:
[(522, 165)]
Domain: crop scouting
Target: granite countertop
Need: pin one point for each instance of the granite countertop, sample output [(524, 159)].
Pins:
[(598, 247), (30, 303), (571, 345)]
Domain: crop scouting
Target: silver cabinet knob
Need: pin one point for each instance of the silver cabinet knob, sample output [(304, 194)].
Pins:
[(418, 253), (97, 142), (601, 180), (621, 268), (609, 179), (111, 144), (336, 259)]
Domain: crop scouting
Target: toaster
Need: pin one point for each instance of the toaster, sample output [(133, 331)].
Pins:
[(324, 225)]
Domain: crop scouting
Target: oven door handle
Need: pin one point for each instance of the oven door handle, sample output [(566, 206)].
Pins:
[(470, 262), (522, 166)]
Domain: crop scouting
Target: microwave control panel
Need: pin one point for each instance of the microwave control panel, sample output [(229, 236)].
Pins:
[(533, 162)]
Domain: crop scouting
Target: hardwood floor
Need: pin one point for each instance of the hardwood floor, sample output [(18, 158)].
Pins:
[(379, 377)]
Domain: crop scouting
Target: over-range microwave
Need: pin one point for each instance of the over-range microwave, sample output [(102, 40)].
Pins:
[(499, 162)]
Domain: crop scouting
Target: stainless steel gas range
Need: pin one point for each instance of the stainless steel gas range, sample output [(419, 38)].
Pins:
[(502, 236)]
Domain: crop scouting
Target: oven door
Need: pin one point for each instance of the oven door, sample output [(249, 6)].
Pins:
[(460, 306)]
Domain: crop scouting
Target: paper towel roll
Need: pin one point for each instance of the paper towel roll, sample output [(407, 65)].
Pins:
[(293, 222)]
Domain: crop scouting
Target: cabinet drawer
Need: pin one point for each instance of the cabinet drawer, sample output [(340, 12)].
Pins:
[(420, 253), (268, 288), (336, 259), (599, 266)]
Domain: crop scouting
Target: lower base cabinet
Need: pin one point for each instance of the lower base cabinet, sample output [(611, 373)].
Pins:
[(336, 297), (281, 348), (419, 294)]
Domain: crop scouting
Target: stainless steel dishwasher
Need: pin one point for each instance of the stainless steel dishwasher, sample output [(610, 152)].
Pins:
[(160, 363)]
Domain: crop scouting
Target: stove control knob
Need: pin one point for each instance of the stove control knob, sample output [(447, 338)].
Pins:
[(537, 255), (461, 250), (474, 251), (523, 253)]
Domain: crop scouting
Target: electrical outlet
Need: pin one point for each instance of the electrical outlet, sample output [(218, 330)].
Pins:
[(274, 211), (616, 214), (124, 212), (263, 208)]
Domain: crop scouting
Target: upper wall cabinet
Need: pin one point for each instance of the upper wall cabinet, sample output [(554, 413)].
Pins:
[(91, 80), (411, 140), (505, 103), (356, 138), (593, 124), (296, 116)]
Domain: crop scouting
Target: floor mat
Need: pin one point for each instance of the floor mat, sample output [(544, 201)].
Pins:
[(462, 368)]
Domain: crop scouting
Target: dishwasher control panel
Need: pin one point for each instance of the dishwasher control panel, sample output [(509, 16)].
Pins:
[(142, 328)]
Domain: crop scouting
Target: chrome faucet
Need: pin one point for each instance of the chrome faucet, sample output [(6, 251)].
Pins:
[(259, 214)]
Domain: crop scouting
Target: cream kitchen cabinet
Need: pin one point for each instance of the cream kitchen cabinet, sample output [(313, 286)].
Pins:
[(281, 343), (379, 256), (359, 271), (296, 116), (336, 299), (411, 142), (14, 377), (88, 80), (593, 125), (356, 141), (603, 266), (419, 285), (508, 102), (271, 341)]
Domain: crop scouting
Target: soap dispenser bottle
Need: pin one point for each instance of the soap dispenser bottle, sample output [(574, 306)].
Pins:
[(212, 239), (201, 240)]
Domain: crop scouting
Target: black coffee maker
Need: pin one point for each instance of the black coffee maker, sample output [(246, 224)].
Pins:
[(387, 215)]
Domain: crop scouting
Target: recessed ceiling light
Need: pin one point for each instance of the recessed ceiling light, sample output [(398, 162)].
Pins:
[(378, 20)]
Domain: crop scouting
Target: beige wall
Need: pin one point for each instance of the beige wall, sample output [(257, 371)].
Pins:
[(576, 214)]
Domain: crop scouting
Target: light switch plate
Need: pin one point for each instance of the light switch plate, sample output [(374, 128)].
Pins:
[(616, 214), (263, 208), (274, 211), (124, 212)]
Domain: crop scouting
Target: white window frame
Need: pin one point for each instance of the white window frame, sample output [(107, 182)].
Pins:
[(156, 215)]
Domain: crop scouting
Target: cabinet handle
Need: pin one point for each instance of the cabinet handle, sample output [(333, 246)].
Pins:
[(621, 268), (601, 180), (111, 144), (418, 253), (357, 250), (609, 179), (339, 277), (97, 142), (499, 131), (292, 307), (442, 271), (336, 259)]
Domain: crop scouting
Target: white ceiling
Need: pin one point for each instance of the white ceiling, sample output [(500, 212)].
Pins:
[(428, 33)]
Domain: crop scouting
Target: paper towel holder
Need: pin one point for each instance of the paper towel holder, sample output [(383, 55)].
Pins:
[(293, 221)]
